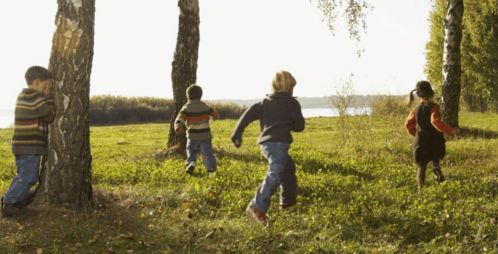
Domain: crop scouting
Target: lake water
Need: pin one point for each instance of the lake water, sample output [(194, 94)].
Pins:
[(7, 117), (330, 112)]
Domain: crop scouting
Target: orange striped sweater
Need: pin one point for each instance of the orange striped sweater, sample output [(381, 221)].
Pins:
[(195, 116)]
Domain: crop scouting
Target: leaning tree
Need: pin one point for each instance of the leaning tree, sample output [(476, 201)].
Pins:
[(67, 178)]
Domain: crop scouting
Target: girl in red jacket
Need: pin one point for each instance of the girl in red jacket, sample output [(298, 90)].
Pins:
[(424, 123)]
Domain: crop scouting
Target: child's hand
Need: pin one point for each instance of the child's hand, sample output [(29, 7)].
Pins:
[(46, 90), (454, 134), (456, 131), (237, 142), (179, 130)]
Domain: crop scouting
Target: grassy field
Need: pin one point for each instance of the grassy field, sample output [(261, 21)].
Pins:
[(357, 192)]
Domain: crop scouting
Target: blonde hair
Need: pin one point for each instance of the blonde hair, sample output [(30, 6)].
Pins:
[(283, 81)]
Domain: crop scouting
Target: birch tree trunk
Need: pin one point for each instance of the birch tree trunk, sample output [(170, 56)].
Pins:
[(452, 63), (184, 71), (67, 179)]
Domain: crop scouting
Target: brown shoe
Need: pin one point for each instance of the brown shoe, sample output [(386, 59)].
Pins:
[(439, 174), (257, 215)]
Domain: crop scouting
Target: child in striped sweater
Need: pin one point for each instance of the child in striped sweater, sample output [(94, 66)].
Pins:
[(34, 111), (194, 118)]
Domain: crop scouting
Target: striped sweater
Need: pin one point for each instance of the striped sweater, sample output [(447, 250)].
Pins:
[(34, 111), (195, 116)]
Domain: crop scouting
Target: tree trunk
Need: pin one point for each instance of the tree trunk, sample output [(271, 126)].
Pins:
[(67, 179), (184, 71), (451, 62)]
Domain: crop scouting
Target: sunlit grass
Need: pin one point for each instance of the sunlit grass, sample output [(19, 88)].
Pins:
[(356, 184)]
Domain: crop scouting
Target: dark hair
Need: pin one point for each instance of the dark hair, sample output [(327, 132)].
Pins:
[(194, 92), (423, 90), (37, 72)]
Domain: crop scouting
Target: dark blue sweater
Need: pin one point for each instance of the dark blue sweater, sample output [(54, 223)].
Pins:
[(278, 114)]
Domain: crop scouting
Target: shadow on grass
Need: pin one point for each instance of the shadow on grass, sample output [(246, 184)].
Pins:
[(222, 153), (117, 225), (314, 166), (477, 133)]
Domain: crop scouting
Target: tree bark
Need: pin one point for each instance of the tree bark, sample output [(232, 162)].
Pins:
[(184, 71), (67, 179), (452, 62)]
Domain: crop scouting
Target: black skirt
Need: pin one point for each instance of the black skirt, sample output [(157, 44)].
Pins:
[(429, 149), (429, 142)]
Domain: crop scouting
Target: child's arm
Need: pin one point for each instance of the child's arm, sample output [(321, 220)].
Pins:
[(298, 118), (411, 123), (251, 114), (46, 110), (180, 122), (214, 114), (437, 123)]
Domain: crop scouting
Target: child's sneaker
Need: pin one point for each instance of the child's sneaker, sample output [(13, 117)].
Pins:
[(30, 197), (190, 168), (439, 174), (287, 206), (255, 214), (8, 210)]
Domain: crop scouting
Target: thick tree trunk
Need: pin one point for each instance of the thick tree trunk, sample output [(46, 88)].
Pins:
[(67, 178), (451, 62), (184, 71)]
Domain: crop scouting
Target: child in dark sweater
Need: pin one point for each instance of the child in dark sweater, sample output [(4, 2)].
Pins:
[(278, 114), (424, 123)]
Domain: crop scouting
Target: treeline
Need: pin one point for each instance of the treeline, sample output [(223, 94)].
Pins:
[(109, 110), (479, 52)]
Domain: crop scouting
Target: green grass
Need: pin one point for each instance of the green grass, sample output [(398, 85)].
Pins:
[(356, 184)]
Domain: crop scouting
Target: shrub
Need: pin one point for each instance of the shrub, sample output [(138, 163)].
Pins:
[(228, 110), (389, 105), (344, 97)]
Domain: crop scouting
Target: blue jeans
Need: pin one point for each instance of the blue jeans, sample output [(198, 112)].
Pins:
[(206, 149), (27, 176), (281, 172)]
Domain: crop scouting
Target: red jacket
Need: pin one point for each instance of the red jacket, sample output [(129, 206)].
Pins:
[(411, 122)]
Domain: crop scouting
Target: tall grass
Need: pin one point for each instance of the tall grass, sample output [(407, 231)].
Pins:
[(109, 110), (389, 105)]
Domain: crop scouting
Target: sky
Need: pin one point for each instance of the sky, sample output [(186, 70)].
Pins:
[(242, 45)]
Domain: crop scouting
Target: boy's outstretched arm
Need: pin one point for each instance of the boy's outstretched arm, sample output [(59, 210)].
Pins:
[(298, 118), (214, 114), (251, 114)]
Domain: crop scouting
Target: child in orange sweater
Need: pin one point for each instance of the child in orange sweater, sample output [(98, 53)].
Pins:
[(424, 123)]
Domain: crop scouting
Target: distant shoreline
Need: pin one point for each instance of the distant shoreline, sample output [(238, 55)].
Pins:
[(6, 121)]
